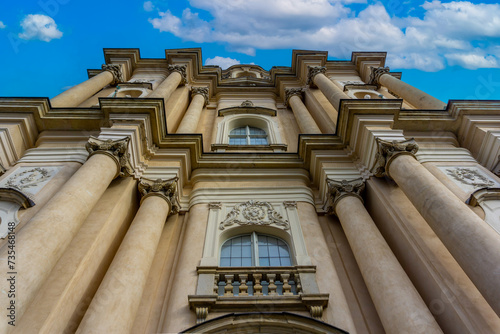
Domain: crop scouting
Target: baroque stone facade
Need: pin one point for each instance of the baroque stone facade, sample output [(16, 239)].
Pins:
[(162, 196)]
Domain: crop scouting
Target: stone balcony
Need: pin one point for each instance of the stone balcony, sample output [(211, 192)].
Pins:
[(263, 289)]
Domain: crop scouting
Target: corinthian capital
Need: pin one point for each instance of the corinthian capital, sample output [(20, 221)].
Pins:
[(203, 91), (388, 151), (181, 69), (115, 149), (313, 71), (377, 72), (166, 189), (289, 92), (116, 70), (340, 189)]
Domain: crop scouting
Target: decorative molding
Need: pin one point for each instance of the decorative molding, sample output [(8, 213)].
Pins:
[(2, 170), (388, 151), (215, 205), (181, 69), (312, 72), (376, 73), (290, 204), (289, 92), (203, 91), (167, 189), (29, 180), (254, 213), (116, 70), (247, 103), (340, 189), (115, 149), (11, 200), (470, 177)]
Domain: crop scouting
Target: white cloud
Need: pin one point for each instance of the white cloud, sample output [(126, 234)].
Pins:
[(447, 33), (148, 6), (2, 25), (472, 61), (42, 27), (223, 62)]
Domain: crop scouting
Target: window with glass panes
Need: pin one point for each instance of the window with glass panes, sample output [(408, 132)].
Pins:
[(248, 135), (255, 250)]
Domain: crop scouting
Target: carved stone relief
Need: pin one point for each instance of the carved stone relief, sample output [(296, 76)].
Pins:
[(29, 180), (469, 179), (254, 213)]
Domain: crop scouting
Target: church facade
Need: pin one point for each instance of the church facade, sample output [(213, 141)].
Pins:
[(163, 196)]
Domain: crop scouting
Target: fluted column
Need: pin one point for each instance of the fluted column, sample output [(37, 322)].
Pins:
[(74, 96), (400, 307), (293, 98), (176, 77), (415, 96), (199, 99), (468, 238), (334, 94), (46, 236), (114, 306)]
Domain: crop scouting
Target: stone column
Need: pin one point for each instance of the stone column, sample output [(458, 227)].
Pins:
[(415, 96), (293, 98), (46, 236), (74, 96), (468, 238), (176, 77), (114, 306), (400, 307), (199, 99), (317, 77)]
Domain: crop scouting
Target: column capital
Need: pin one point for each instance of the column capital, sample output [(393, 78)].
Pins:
[(181, 69), (115, 149), (116, 70), (166, 189), (340, 189), (203, 91), (289, 92), (312, 72), (388, 151), (377, 72)]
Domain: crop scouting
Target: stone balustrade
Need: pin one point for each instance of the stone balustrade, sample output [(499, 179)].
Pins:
[(257, 281)]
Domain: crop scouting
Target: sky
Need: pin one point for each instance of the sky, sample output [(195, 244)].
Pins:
[(449, 49)]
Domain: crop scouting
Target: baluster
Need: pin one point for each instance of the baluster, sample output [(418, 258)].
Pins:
[(297, 284), (257, 287), (243, 285), (271, 287), (228, 289), (287, 288), (217, 279)]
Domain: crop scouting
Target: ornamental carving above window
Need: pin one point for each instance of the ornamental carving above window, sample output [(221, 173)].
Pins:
[(254, 213)]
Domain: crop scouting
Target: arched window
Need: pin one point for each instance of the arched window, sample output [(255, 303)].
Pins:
[(255, 250), (248, 135)]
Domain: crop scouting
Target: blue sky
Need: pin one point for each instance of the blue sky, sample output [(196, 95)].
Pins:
[(450, 49)]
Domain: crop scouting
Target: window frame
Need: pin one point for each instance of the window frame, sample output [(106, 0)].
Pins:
[(248, 135), (254, 242)]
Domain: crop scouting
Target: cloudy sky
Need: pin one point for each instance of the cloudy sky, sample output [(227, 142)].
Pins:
[(450, 49)]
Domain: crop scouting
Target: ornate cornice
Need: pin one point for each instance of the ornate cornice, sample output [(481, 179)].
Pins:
[(312, 72), (289, 92), (181, 69), (254, 213), (340, 189), (203, 91), (116, 70), (115, 149), (166, 189), (377, 72), (388, 151)]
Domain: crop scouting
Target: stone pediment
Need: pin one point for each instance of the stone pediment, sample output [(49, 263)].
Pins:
[(254, 213)]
